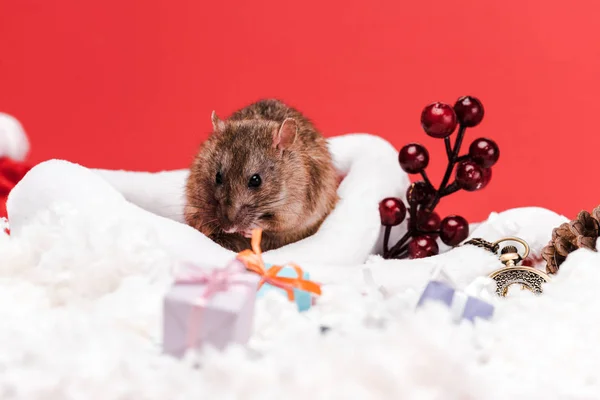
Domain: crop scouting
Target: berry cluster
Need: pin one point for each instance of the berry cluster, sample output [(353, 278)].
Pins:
[(473, 172)]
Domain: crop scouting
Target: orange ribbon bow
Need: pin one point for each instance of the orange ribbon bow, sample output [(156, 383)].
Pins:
[(253, 261)]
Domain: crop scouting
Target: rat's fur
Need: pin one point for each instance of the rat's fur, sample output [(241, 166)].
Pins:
[(299, 181)]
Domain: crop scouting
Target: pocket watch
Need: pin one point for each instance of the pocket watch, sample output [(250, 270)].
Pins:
[(512, 273)]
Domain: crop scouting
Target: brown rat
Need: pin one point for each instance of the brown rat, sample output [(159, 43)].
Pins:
[(267, 167)]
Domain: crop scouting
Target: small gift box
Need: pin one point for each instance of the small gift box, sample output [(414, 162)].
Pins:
[(473, 302), (289, 279), (302, 298), (213, 307)]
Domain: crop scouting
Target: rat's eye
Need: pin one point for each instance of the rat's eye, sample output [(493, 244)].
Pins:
[(254, 181), (218, 178)]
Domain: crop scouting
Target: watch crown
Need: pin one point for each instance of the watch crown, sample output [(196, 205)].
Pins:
[(510, 256), (509, 249)]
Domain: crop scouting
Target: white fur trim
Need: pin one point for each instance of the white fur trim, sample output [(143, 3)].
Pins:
[(13, 140)]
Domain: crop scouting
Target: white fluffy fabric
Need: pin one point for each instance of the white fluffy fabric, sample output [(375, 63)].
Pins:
[(348, 236), (13, 140), (89, 258)]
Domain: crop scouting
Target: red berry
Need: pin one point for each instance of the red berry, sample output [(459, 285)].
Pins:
[(453, 230), (469, 176), (392, 211), (528, 262), (413, 158), (469, 111), (419, 193), (531, 261), (422, 246), (484, 152), (428, 222), (438, 120), (487, 176)]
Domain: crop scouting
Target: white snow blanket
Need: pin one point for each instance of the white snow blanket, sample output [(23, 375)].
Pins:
[(90, 255)]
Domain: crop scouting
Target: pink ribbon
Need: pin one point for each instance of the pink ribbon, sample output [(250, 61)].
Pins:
[(216, 280)]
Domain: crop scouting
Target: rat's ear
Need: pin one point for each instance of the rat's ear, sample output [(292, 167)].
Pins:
[(286, 135), (218, 124)]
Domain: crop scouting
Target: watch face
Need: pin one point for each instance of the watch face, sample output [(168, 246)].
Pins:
[(526, 277)]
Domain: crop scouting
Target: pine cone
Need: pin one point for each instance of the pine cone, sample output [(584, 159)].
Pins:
[(570, 236)]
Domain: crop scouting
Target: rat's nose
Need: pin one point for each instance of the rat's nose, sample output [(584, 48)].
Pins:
[(228, 226), (234, 214), (231, 214)]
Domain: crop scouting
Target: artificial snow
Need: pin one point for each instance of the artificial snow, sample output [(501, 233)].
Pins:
[(84, 271)]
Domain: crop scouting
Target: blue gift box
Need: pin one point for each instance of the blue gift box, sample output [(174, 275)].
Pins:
[(302, 298), (465, 306)]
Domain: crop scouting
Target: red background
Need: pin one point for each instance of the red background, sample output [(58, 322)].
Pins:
[(131, 84)]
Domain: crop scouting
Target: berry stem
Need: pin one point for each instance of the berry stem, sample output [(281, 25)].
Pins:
[(426, 178), (461, 134), (403, 254), (386, 239), (449, 169), (398, 245), (448, 147), (401, 250), (451, 188), (412, 224)]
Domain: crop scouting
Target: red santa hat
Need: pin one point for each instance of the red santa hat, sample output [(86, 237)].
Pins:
[(14, 147)]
